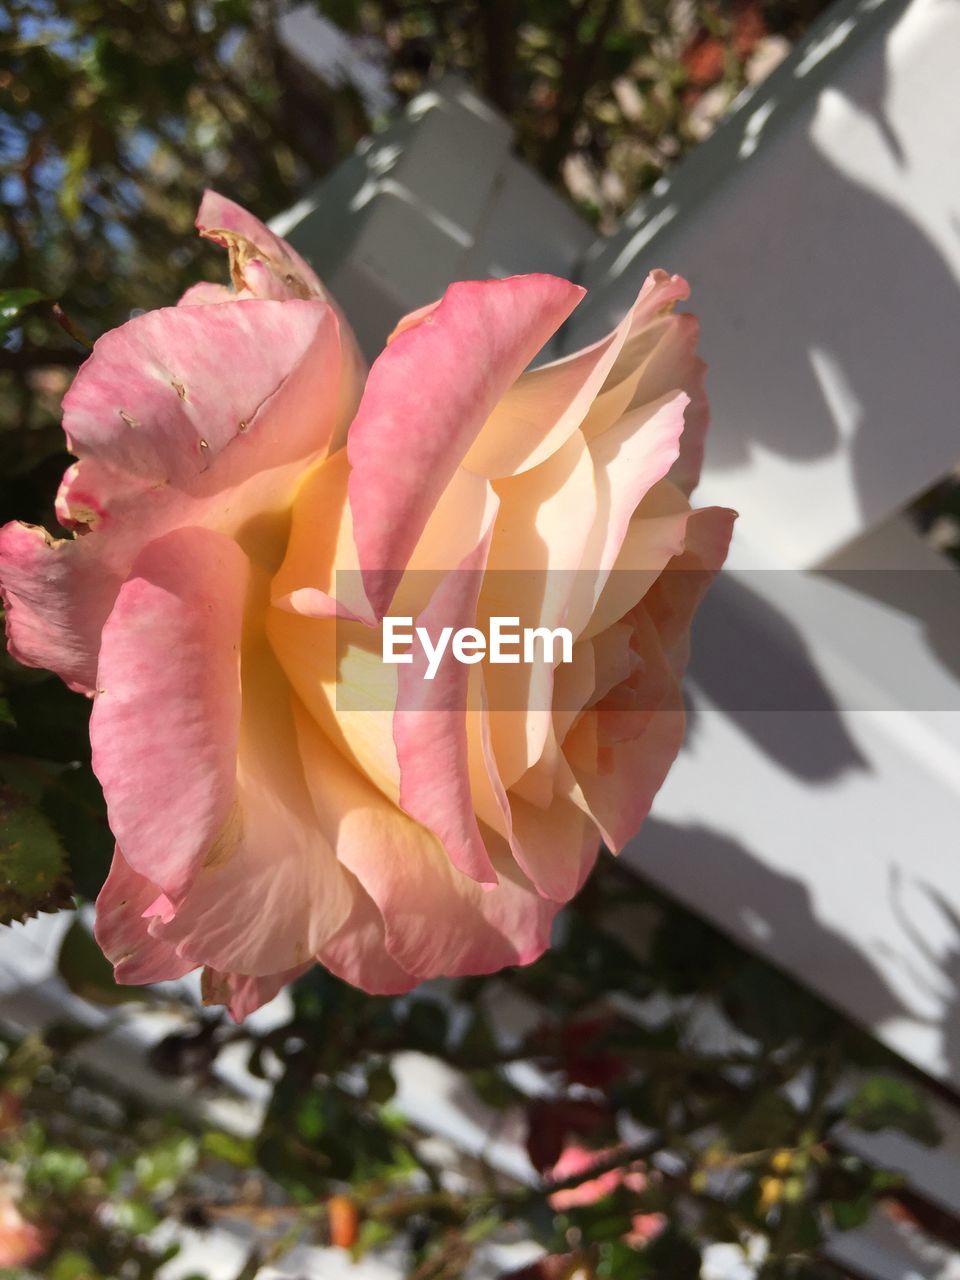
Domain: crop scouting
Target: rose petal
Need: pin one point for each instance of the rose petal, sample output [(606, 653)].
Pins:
[(253, 247), (229, 458), (152, 401), (275, 892), (436, 920), (358, 953), (243, 995), (539, 413), (426, 398), (429, 726), (122, 933), (545, 521), (628, 460), (165, 722)]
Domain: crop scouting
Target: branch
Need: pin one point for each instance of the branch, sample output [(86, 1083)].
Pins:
[(578, 76), (499, 20), (40, 358)]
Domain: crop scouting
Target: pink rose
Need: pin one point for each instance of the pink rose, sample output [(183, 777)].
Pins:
[(576, 1160), (246, 508), (644, 1228), (20, 1241), (573, 1162)]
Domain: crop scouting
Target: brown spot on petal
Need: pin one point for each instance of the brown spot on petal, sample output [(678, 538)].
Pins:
[(226, 841), (203, 446), (128, 418), (180, 389), (85, 518), (214, 987), (242, 427)]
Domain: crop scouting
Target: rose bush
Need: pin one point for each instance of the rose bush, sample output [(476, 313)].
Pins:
[(576, 1161), (21, 1242), (247, 506)]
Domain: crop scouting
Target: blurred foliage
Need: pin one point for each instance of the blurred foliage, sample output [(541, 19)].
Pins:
[(659, 1045), (114, 114)]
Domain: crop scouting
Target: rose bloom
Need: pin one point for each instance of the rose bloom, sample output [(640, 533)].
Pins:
[(246, 507), (20, 1241), (576, 1160)]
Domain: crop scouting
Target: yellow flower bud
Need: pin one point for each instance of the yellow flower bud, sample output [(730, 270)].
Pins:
[(771, 1193)]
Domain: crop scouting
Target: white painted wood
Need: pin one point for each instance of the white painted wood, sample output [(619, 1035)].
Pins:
[(434, 197), (818, 229)]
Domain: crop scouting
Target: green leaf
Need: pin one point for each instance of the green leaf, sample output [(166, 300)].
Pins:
[(74, 802), (371, 1235), (58, 1170), (134, 1217), (87, 972), (226, 1146), (69, 196), (848, 1214), (13, 303), (33, 865), (164, 1165), (426, 1026), (888, 1102), (381, 1086), (71, 1264), (344, 13)]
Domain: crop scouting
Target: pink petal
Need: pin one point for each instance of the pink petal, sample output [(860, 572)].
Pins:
[(429, 727), (645, 1227), (629, 770), (166, 718), (654, 536), (554, 847), (275, 268), (201, 295), (53, 615), (152, 401), (545, 523), (121, 929), (274, 894), (574, 1161), (628, 460), (241, 994), (539, 413), (659, 359), (619, 795), (263, 265), (358, 953), (675, 596), (435, 920), (426, 398), (186, 461)]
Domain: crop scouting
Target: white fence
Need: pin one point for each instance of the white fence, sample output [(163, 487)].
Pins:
[(814, 813)]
